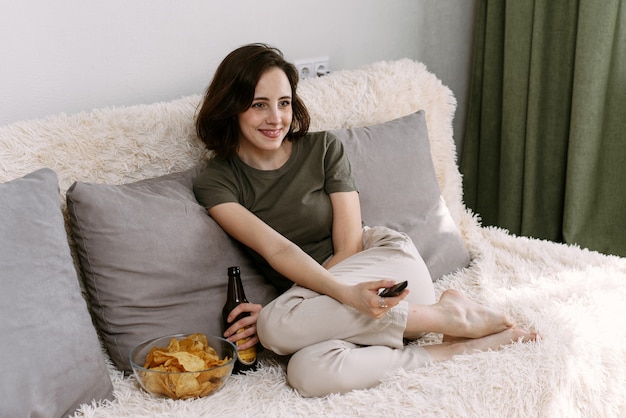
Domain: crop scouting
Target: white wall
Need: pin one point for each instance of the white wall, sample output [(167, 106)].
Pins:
[(75, 55), (445, 42)]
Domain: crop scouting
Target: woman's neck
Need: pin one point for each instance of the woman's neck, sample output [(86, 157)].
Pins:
[(266, 160)]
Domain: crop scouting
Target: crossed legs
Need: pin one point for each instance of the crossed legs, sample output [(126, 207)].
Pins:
[(336, 349), (338, 366)]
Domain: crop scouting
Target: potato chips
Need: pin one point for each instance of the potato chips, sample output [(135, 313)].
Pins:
[(181, 370)]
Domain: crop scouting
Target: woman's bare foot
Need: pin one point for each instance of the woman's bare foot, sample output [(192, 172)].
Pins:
[(454, 315), (447, 350), (468, 319), (451, 339)]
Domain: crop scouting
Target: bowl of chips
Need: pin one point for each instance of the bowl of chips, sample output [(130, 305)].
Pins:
[(183, 366)]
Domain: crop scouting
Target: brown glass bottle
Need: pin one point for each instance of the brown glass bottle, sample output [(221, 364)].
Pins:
[(246, 359)]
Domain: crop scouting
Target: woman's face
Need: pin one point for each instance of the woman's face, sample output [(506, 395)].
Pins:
[(265, 124)]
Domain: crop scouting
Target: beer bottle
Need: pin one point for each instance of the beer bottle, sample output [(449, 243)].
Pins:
[(246, 359)]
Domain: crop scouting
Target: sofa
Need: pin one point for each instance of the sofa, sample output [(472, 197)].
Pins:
[(103, 246)]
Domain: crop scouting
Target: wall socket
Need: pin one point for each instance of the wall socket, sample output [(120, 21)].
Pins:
[(312, 67)]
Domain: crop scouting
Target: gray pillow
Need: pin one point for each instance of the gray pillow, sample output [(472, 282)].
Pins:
[(398, 188), (153, 261), (51, 358)]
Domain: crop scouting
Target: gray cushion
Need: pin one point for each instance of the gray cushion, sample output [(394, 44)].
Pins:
[(153, 261), (398, 189), (51, 358)]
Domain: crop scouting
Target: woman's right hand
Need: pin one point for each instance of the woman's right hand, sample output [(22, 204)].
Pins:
[(364, 298), (247, 323)]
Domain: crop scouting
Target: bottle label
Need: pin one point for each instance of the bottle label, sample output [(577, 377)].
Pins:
[(247, 356)]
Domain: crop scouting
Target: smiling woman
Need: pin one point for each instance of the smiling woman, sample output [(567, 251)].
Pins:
[(265, 124), (291, 199), (233, 91)]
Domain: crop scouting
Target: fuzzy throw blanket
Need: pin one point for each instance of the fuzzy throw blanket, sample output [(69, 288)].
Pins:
[(576, 299)]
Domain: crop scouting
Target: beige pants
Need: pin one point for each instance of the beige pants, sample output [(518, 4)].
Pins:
[(334, 347)]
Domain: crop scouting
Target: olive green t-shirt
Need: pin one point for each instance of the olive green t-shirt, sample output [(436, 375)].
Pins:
[(294, 199)]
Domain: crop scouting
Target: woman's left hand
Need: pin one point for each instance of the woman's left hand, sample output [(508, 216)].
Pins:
[(248, 323), (364, 297)]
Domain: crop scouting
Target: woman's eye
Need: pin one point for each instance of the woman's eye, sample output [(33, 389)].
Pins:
[(258, 105), (285, 103)]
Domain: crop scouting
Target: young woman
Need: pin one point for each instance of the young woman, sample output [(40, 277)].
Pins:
[(290, 198)]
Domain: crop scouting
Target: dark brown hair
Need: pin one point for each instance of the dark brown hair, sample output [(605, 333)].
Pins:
[(231, 92)]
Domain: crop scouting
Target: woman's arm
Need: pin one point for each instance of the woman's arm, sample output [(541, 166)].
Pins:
[(290, 261), (347, 226), (282, 254)]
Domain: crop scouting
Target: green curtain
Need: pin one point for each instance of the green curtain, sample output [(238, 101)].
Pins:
[(544, 151)]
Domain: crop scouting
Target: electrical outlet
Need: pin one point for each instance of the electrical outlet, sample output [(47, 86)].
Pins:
[(321, 67), (312, 67), (306, 69)]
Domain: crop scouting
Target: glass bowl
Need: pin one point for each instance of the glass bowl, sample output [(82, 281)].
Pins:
[(169, 354)]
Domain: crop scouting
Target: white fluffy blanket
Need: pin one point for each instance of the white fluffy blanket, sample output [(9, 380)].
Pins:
[(573, 297)]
